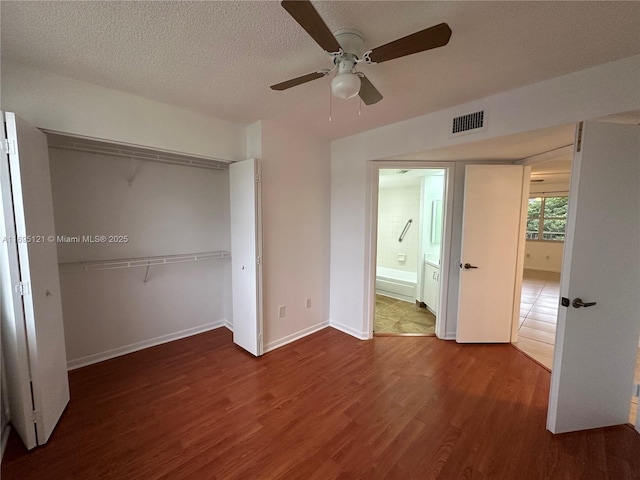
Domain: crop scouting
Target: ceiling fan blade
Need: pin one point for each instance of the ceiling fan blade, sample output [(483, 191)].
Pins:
[(368, 93), (298, 81), (433, 37), (303, 12)]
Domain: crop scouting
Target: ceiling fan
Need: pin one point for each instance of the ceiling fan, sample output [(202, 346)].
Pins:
[(346, 48)]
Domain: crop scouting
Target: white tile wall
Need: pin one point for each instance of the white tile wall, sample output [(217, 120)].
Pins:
[(395, 207)]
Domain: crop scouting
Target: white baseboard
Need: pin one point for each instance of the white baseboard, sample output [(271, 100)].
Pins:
[(5, 437), (294, 336), (134, 347), (349, 330), (449, 336)]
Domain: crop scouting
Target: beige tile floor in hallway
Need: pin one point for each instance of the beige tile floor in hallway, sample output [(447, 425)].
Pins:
[(538, 315)]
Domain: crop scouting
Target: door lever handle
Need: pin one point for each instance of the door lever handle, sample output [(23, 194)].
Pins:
[(577, 303), (467, 266)]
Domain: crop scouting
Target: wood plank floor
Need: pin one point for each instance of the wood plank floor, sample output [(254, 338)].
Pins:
[(325, 407)]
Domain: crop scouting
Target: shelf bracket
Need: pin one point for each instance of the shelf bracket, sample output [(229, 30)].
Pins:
[(132, 171), (146, 273)]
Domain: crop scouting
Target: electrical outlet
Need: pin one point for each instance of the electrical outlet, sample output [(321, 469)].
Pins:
[(308, 303), (282, 311)]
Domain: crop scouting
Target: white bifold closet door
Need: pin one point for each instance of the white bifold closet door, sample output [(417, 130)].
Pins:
[(246, 246), (32, 329)]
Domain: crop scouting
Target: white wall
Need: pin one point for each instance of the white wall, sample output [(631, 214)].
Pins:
[(54, 102), (168, 209), (295, 218), (395, 207), (591, 93), (546, 256)]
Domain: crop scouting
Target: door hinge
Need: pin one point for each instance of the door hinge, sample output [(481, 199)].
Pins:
[(23, 288), (636, 390), (579, 137), (34, 416), (258, 178), (7, 146), (258, 260)]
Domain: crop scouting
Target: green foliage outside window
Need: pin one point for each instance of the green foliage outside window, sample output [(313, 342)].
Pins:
[(547, 218)]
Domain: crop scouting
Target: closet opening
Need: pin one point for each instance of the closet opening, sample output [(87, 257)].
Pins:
[(143, 244)]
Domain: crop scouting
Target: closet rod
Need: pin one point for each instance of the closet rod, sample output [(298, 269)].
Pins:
[(211, 165), (63, 142), (141, 261)]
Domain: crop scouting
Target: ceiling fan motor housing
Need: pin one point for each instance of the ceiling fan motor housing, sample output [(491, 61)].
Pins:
[(351, 41)]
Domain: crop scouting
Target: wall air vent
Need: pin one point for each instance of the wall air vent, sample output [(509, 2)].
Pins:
[(469, 123)]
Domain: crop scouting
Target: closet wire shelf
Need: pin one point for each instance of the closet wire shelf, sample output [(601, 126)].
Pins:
[(141, 261)]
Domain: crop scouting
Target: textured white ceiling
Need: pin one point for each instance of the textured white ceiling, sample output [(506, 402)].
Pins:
[(219, 58)]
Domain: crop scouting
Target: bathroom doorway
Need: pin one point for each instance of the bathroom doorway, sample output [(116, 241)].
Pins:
[(409, 250)]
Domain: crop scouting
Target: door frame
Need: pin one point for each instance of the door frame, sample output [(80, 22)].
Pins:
[(530, 162), (445, 244)]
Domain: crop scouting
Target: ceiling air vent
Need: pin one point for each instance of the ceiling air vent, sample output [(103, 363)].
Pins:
[(469, 123)]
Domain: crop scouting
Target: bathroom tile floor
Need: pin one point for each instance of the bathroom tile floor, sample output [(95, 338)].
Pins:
[(397, 317)]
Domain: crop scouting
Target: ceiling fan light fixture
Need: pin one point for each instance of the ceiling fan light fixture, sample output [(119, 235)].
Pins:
[(345, 85)]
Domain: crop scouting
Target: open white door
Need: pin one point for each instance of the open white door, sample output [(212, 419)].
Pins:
[(491, 232), (246, 244), (594, 358), (33, 316), (14, 344)]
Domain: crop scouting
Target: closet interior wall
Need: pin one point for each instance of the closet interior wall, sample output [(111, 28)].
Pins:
[(144, 209)]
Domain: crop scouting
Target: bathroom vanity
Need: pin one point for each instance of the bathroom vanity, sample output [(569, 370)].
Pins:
[(431, 283)]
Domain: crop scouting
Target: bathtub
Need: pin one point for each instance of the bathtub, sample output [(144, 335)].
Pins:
[(396, 283)]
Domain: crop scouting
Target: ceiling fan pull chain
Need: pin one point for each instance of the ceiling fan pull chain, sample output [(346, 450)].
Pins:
[(330, 96), (360, 107)]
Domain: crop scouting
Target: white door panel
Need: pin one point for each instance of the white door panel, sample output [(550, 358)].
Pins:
[(246, 271), (14, 335), (595, 350), (492, 225), (38, 262)]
